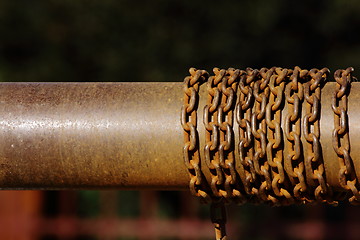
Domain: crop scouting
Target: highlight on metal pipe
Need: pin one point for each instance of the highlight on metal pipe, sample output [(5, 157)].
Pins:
[(91, 136)]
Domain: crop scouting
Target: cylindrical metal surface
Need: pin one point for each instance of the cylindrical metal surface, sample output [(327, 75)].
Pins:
[(91, 135), (327, 125), (117, 135)]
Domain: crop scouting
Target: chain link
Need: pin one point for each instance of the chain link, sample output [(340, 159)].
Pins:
[(340, 136), (314, 164), (225, 119), (274, 134), (212, 132), (293, 162), (243, 117), (218, 218), (189, 124), (259, 130)]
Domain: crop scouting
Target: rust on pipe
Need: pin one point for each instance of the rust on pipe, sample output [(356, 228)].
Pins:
[(326, 127), (91, 135), (116, 135)]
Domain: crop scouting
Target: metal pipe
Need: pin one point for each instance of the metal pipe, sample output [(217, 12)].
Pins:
[(116, 135), (91, 135), (326, 128)]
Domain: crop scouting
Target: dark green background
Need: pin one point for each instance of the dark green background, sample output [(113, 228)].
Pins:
[(159, 40)]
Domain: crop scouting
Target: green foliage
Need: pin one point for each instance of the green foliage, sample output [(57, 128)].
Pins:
[(159, 40)]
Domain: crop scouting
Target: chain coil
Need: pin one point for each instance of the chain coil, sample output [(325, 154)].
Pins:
[(274, 149), (243, 114), (293, 162), (259, 130), (314, 165), (189, 125), (212, 133), (277, 158), (226, 150)]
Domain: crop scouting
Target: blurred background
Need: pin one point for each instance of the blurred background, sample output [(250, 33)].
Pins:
[(159, 40)]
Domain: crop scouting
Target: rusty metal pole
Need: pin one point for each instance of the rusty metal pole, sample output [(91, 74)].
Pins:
[(115, 135), (326, 127), (91, 136)]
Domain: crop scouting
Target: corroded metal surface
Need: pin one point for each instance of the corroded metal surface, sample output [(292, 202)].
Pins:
[(91, 135)]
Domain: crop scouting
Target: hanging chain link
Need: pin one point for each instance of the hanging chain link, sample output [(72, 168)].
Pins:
[(226, 148), (212, 135), (311, 130), (218, 218), (189, 124), (341, 141), (259, 130), (294, 166), (243, 118), (274, 134)]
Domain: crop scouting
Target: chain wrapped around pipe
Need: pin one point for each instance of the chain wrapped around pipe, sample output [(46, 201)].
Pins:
[(243, 118), (275, 139), (211, 124), (275, 157), (311, 130), (226, 150), (259, 131), (189, 124)]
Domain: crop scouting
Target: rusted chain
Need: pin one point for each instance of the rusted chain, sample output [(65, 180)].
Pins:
[(293, 162), (311, 130), (279, 154), (275, 139), (243, 118), (341, 142), (212, 132), (189, 124), (259, 130), (226, 147)]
